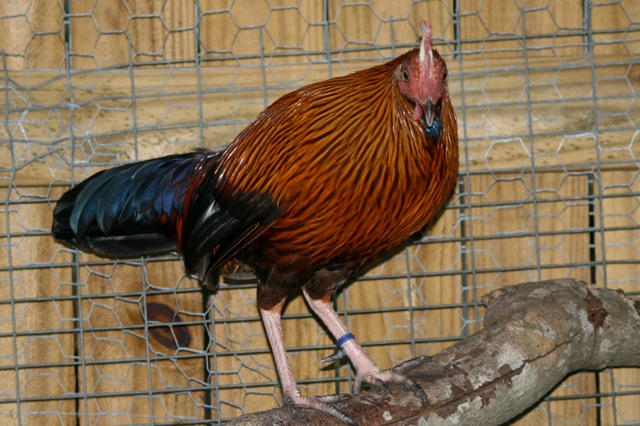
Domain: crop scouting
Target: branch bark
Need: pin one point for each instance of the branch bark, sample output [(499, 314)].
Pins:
[(535, 335)]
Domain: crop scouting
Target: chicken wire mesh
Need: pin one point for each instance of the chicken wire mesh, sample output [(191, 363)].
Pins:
[(546, 97)]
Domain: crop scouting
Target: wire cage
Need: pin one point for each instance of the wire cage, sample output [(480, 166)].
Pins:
[(546, 93)]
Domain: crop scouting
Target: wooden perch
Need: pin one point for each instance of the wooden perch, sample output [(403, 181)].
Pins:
[(535, 335)]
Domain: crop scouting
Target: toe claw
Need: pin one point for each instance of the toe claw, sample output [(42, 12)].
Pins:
[(337, 356), (418, 391), (422, 394), (384, 390)]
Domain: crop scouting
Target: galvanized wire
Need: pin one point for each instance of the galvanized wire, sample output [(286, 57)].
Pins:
[(68, 139)]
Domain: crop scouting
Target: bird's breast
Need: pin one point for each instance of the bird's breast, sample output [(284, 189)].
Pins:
[(349, 212)]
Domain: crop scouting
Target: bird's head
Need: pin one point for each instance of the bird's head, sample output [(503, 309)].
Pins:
[(422, 78)]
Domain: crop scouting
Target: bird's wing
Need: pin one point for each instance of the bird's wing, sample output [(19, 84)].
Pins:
[(216, 231)]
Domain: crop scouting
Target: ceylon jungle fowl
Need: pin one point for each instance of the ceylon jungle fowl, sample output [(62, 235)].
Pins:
[(326, 179)]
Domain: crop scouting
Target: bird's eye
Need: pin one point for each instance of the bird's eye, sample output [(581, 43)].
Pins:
[(444, 76), (405, 74)]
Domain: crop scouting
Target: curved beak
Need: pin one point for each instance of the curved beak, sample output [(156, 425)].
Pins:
[(429, 111)]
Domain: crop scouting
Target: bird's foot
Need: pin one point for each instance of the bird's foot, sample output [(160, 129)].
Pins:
[(376, 378), (321, 403), (380, 379)]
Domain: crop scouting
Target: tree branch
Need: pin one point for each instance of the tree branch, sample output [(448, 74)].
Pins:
[(535, 335)]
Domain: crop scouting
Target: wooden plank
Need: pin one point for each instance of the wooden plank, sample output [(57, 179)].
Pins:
[(546, 218), (179, 42), (618, 244), (356, 25), (619, 247), (38, 317), (480, 21), (116, 331), (98, 39), (15, 33), (165, 98), (218, 32), (101, 32), (233, 29), (84, 35), (46, 48), (162, 31), (252, 36), (485, 25), (612, 19), (295, 29), (33, 34), (617, 406), (557, 18)]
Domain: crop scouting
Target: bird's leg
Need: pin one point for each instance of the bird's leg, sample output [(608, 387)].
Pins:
[(366, 370), (273, 325)]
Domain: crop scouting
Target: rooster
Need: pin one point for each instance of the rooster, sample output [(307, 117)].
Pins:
[(325, 179)]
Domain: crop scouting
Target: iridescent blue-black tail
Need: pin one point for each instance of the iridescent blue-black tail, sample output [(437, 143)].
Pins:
[(132, 210), (158, 206)]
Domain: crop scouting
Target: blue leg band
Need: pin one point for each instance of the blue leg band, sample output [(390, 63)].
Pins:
[(341, 341)]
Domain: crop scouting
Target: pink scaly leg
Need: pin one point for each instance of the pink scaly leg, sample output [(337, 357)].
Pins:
[(366, 370), (272, 323)]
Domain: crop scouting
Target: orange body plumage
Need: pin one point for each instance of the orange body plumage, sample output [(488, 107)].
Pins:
[(354, 174)]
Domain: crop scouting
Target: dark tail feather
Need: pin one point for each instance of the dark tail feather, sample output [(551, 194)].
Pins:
[(131, 210), (160, 205)]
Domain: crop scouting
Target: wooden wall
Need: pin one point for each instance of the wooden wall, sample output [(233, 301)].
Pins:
[(548, 188)]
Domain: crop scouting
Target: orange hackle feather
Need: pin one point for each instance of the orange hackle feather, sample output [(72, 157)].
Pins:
[(353, 172)]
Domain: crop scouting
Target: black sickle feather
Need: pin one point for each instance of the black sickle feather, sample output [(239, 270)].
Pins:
[(142, 208)]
